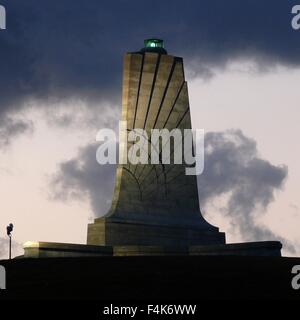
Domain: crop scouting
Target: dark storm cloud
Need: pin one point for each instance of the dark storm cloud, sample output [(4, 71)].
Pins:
[(11, 127), (83, 178), (232, 167), (61, 49)]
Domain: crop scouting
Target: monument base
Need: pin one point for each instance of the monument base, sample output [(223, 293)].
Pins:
[(55, 250), (109, 232)]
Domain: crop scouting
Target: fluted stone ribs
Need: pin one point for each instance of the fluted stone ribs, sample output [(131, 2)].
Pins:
[(155, 96)]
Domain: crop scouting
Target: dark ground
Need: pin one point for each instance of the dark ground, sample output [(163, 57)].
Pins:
[(145, 278)]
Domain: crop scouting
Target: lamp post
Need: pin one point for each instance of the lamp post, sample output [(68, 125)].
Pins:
[(9, 230)]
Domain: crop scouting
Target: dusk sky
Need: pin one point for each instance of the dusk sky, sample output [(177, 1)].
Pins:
[(60, 82)]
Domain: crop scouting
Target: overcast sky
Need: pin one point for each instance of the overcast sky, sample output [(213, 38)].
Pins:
[(60, 82)]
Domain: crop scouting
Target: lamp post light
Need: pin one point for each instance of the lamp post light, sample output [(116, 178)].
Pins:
[(9, 230)]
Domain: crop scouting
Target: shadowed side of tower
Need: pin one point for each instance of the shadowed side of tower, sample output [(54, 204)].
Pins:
[(154, 205)]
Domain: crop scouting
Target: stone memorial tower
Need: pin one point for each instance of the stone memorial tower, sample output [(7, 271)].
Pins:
[(154, 204)]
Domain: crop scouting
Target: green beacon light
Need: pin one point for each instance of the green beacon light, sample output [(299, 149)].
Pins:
[(154, 45)]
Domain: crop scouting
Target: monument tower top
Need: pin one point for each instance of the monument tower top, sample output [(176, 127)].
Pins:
[(154, 45)]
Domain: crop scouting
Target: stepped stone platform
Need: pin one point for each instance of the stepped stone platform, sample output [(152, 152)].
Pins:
[(52, 250)]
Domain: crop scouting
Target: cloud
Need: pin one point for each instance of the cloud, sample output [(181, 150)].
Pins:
[(12, 127), (234, 170), (79, 115), (82, 178), (56, 50), (232, 166)]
